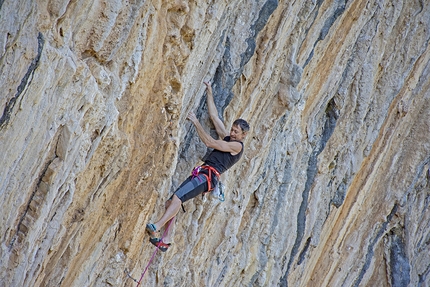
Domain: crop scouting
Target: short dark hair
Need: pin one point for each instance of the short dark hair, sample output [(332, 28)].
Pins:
[(242, 124)]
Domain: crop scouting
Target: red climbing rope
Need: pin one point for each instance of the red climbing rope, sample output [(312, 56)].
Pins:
[(155, 252)]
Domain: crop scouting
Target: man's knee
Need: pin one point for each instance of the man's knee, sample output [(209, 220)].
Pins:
[(173, 199)]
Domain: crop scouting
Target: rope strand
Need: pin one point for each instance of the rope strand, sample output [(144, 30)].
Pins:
[(155, 252)]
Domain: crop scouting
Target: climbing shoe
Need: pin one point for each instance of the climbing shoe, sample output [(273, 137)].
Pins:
[(160, 244), (152, 230)]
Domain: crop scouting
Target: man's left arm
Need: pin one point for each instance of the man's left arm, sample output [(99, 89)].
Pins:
[(232, 147)]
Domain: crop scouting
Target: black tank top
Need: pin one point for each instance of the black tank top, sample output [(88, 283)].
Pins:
[(221, 160)]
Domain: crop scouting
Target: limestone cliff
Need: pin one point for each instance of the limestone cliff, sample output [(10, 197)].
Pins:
[(333, 188)]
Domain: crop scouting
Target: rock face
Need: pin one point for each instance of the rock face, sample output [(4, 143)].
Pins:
[(333, 188)]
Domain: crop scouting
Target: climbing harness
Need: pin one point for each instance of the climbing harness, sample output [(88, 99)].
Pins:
[(152, 257), (218, 190), (210, 170)]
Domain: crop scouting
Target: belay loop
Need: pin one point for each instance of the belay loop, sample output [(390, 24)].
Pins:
[(196, 171)]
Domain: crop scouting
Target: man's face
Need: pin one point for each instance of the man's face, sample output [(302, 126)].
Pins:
[(236, 133)]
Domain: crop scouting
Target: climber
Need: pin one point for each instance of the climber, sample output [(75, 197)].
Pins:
[(226, 151)]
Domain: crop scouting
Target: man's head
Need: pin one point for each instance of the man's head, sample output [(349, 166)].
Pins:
[(239, 130)]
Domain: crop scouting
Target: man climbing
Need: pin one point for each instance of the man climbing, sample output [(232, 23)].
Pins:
[(226, 152)]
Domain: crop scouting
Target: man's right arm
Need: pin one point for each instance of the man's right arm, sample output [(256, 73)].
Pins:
[(213, 113)]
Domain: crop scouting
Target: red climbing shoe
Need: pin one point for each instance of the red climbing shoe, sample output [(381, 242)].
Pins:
[(160, 244)]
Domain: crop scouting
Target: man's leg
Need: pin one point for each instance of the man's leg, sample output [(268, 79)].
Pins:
[(190, 188), (171, 211), (168, 234)]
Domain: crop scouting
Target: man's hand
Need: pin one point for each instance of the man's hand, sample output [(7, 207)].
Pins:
[(192, 117), (208, 86)]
